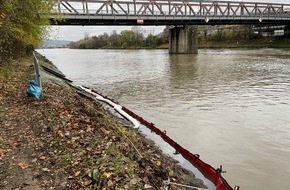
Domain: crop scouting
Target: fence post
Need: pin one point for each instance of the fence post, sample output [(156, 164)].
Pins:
[(36, 66)]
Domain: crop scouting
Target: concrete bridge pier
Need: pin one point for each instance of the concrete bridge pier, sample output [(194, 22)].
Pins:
[(287, 30), (183, 40)]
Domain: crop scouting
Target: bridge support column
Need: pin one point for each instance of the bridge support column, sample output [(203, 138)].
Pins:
[(287, 30), (183, 40)]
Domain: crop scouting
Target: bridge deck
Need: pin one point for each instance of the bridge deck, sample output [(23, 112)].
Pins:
[(168, 12)]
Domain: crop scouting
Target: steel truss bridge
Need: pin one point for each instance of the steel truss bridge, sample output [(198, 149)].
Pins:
[(168, 12)]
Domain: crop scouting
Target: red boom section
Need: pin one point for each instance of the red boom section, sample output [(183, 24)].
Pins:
[(207, 170)]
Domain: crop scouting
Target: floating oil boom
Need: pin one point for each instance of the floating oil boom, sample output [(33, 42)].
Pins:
[(214, 175)]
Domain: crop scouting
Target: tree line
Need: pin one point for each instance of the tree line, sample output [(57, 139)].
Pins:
[(127, 39), (228, 33), (22, 26)]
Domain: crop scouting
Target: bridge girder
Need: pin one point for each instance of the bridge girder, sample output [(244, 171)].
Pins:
[(167, 12), (161, 22)]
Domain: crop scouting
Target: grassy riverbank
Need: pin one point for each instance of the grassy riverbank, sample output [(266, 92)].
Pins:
[(68, 141), (269, 42), (259, 42)]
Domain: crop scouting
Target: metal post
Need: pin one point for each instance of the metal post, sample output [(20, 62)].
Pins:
[(36, 66), (58, 5)]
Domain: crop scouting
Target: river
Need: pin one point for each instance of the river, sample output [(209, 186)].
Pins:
[(232, 107)]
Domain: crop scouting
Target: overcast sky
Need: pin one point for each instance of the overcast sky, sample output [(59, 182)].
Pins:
[(74, 33)]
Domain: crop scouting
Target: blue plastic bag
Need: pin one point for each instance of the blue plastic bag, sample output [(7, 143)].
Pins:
[(34, 90)]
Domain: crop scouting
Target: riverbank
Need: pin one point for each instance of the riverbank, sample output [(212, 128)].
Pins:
[(68, 141), (260, 42), (208, 43)]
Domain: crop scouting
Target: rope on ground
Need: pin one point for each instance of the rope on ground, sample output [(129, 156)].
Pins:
[(165, 183), (131, 143), (136, 149), (168, 182)]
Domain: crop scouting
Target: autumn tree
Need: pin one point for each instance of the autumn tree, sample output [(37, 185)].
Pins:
[(22, 26), (138, 31), (114, 39), (127, 39)]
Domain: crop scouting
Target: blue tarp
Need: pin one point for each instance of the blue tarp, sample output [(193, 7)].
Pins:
[(34, 90)]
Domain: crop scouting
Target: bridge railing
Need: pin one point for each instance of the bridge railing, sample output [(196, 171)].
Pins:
[(165, 13), (169, 8)]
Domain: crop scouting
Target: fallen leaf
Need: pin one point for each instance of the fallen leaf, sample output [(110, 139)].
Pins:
[(1, 152), (145, 179), (23, 165), (77, 173), (107, 174), (34, 160), (89, 172), (95, 173), (45, 169), (106, 131), (147, 186), (134, 181), (75, 126), (87, 182), (158, 163), (60, 134), (110, 183), (127, 186), (26, 183), (111, 168), (63, 184)]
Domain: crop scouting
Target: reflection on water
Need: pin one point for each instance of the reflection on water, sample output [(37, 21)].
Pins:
[(230, 106)]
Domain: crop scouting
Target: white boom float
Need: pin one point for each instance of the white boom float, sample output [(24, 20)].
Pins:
[(117, 107)]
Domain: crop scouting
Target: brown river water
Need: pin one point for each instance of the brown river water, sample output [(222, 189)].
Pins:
[(232, 107)]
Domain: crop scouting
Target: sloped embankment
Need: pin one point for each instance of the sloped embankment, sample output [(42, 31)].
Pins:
[(68, 141)]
